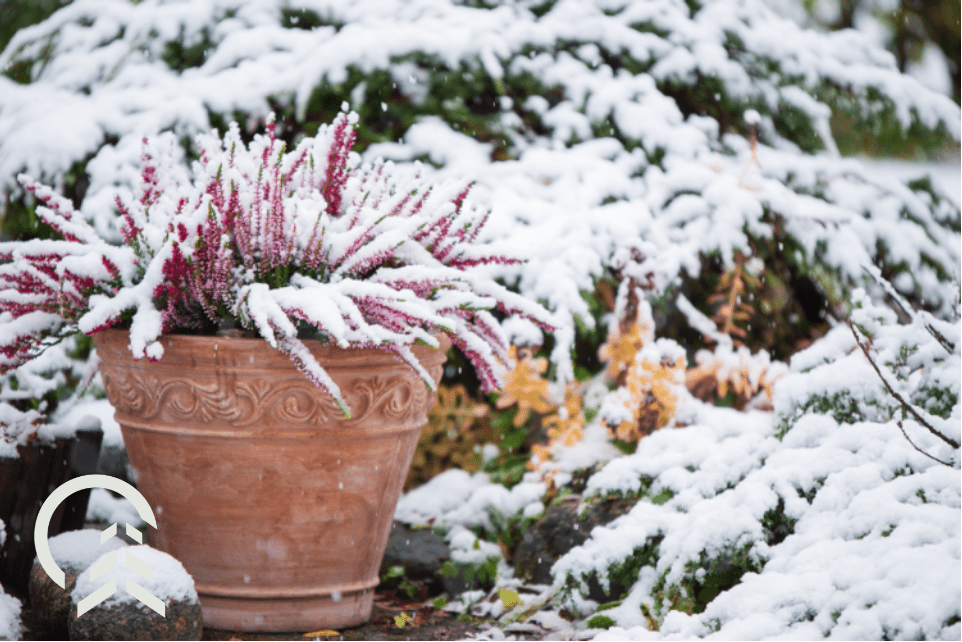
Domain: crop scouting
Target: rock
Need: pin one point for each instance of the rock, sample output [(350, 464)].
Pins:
[(421, 553), (560, 530), (73, 552), (122, 616)]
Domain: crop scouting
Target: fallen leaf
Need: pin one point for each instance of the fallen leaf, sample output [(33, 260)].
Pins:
[(509, 598), (323, 633), (402, 619), (422, 615)]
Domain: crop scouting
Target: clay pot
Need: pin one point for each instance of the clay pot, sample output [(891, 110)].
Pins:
[(277, 505)]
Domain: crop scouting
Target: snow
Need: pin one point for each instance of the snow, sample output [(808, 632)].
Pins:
[(947, 174), (441, 494), (105, 508), (100, 410), (10, 627), (615, 179), (838, 527), (569, 203), (41, 378), (167, 580), (80, 549)]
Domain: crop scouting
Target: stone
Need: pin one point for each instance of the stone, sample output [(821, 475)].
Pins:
[(561, 529), (121, 616), (72, 552), (420, 552)]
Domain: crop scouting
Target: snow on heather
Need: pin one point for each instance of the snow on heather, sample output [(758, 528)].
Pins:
[(360, 256), (26, 394)]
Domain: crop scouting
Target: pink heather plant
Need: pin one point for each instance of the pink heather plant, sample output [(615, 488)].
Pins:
[(274, 242)]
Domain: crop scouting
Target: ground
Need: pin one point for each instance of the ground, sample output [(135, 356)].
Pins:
[(429, 624)]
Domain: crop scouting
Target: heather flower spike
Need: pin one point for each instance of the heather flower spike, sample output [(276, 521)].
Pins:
[(282, 243)]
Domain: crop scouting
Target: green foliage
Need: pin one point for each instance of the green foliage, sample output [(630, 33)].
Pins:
[(307, 19), (395, 578), (622, 574), (16, 15), (511, 464), (704, 580), (600, 622), (182, 54), (484, 573), (777, 524), (841, 406)]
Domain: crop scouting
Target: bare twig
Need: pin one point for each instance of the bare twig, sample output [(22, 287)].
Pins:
[(944, 463), (907, 308), (905, 405)]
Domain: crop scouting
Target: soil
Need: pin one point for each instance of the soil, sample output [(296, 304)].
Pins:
[(419, 622)]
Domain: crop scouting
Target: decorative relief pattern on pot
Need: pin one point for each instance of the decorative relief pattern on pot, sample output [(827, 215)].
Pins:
[(401, 398)]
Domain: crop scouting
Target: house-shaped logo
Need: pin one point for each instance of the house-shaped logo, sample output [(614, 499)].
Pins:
[(109, 561)]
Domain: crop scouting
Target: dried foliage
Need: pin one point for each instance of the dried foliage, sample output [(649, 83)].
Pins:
[(525, 386), (453, 438), (730, 299)]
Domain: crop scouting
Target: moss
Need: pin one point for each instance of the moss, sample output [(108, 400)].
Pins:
[(600, 622)]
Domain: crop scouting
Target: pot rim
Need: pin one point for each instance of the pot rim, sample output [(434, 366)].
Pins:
[(115, 343)]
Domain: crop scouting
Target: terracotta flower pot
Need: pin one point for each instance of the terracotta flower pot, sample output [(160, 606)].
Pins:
[(277, 505)]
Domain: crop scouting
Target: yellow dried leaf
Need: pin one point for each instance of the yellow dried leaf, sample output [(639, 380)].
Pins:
[(455, 433), (525, 387), (509, 598), (620, 349)]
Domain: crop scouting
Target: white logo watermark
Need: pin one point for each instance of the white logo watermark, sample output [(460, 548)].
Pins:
[(108, 562)]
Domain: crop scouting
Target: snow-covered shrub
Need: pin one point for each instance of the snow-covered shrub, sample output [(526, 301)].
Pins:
[(915, 366), (269, 241), (752, 527), (35, 396), (840, 527), (621, 125), (667, 171)]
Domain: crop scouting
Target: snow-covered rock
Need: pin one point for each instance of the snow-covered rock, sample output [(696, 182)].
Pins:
[(145, 580)]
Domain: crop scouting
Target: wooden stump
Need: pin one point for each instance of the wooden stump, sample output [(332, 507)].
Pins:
[(25, 482)]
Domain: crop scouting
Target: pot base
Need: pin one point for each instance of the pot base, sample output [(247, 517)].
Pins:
[(293, 614)]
